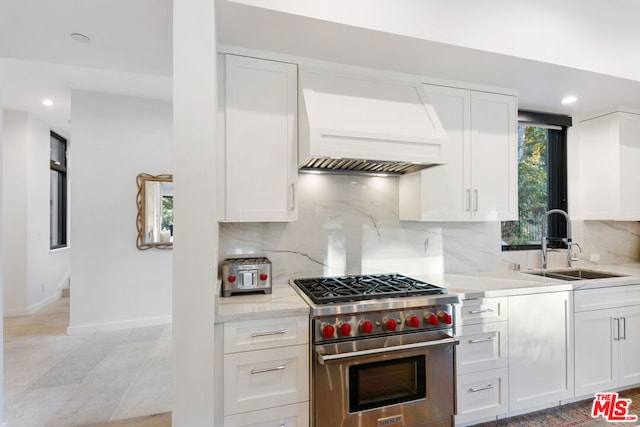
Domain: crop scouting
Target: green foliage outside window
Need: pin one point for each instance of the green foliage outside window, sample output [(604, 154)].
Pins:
[(532, 187)]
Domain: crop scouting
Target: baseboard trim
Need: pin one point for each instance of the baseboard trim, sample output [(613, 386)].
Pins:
[(32, 309), (114, 326)]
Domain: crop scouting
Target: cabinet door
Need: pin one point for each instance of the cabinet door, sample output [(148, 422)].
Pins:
[(439, 193), (265, 333), (282, 416), (629, 346), (261, 379), (596, 351), (481, 347), (481, 395), (494, 171), (629, 161), (261, 140), (540, 349)]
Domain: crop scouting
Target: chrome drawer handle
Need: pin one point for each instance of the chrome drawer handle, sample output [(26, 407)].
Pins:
[(486, 310), (264, 334), (481, 340), (475, 390), (262, 371)]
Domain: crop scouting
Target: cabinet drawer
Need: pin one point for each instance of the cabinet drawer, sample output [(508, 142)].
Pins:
[(265, 333), (482, 394), (616, 296), (262, 379), (282, 416), (482, 347), (474, 311)]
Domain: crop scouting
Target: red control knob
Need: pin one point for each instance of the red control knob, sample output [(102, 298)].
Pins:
[(366, 327), (345, 329), (231, 278), (390, 325), (446, 318), (433, 320), (413, 321), (263, 277), (328, 331)]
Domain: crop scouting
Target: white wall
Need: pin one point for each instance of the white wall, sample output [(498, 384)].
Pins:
[(1, 248), (33, 275), (114, 284), (196, 229)]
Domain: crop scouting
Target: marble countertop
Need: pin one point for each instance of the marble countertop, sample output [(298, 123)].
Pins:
[(509, 283), (283, 301)]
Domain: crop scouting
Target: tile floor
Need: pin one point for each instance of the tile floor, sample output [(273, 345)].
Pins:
[(56, 380)]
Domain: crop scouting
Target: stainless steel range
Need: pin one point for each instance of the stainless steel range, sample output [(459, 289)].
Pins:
[(383, 352)]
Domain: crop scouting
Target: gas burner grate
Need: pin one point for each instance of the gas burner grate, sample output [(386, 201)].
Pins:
[(327, 290)]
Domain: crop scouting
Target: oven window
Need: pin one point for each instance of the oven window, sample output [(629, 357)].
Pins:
[(389, 382)]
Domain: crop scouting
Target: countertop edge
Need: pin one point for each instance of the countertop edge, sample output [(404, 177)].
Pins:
[(283, 301)]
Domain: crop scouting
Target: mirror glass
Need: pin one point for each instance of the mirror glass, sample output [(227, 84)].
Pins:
[(155, 211)]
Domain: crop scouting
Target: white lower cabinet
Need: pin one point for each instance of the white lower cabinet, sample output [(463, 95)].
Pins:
[(265, 378), (482, 395), (607, 340), (265, 372), (540, 350), (282, 416), (481, 360)]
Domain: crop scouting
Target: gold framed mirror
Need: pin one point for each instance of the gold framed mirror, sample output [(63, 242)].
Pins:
[(155, 211)]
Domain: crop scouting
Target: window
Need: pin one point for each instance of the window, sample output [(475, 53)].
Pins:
[(542, 181), (58, 191)]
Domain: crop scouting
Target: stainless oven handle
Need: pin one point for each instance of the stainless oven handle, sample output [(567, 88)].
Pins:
[(322, 358)]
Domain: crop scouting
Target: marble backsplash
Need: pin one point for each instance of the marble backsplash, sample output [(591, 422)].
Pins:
[(349, 224)]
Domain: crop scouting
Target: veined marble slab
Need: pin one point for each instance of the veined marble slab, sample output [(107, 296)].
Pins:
[(283, 301)]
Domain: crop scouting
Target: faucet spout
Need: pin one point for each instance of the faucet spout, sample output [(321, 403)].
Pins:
[(545, 237)]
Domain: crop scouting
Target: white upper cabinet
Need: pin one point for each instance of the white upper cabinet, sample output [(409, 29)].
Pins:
[(260, 148), (479, 181), (367, 118), (609, 156)]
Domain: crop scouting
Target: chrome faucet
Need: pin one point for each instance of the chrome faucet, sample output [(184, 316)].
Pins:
[(567, 240)]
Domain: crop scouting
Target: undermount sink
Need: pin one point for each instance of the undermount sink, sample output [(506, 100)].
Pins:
[(574, 274)]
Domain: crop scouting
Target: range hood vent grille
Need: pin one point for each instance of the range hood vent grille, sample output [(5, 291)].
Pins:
[(355, 166)]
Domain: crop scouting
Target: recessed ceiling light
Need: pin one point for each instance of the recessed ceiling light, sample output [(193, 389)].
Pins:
[(80, 38), (569, 99), (47, 102)]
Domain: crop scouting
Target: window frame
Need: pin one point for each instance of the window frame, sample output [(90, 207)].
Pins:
[(557, 194), (61, 168)]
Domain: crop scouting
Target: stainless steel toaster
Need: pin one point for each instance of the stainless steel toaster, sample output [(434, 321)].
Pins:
[(241, 275)]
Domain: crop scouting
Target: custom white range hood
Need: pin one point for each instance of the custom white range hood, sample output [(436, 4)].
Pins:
[(356, 124)]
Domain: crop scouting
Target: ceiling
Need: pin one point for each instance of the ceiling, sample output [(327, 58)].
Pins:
[(131, 53)]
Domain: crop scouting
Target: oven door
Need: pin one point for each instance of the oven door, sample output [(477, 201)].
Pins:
[(397, 381)]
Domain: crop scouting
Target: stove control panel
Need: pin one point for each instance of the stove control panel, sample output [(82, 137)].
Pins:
[(376, 323)]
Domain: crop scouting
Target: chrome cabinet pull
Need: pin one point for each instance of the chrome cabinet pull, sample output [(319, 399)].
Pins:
[(481, 340), (264, 334), (486, 310), (468, 204), (475, 197), (623, 336), (475, 390), (262, 371), (616, 329), (293, 196)]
